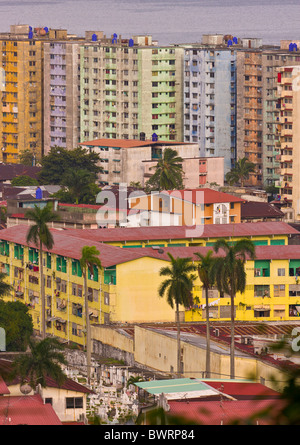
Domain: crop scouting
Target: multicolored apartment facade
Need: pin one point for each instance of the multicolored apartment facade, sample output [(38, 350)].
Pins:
[(125, 290), (59, 90)]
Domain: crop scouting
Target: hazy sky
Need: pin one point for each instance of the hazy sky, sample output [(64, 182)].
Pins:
[(168, 21)]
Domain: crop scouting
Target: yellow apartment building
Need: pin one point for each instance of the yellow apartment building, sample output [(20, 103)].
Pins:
[(125, 290), (21, 110)]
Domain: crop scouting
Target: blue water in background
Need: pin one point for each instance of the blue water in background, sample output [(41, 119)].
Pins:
[(167, 21)]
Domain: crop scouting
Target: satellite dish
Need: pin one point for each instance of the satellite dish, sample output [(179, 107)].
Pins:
[(25, 388)]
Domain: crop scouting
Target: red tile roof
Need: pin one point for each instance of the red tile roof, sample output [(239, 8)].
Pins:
[(26, 410), (203, 196)]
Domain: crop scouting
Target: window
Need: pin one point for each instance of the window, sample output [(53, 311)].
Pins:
[(76, 269), (261, 291), (61, 264), (279, 290), (281, 272), (262, 268), (74, 402), (49, 400)]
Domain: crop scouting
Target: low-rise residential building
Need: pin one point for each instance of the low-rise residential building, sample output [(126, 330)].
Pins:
[(253, 211), (194, 207), (125, 289), (67, 402), (123, 160)]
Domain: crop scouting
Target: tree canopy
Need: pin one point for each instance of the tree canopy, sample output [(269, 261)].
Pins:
[(45, 359), (24, 180), (17, 323), (79, 187), (59, 161)]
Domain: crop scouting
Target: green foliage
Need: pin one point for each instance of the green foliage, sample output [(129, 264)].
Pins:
[(168, 173), (89, 258), (59, 161), (132, 380), (17, 322), (229, 271), (39, 231), (79, 187), (26, 157), (23, 180), (3, 214), (240, 172), (205, 266), (5, 288), (179, 284), (45, 359)]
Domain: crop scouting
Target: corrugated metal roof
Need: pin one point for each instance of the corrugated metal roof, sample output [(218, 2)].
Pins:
[(68, 245), (185, 232), (128, 143), (178, 388), (253, 209), (226, 412)]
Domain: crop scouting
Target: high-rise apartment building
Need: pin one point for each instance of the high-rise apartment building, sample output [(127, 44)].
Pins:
[(21, 57), (258, 135), (61, 95), (130, 89), (210, 100), (288, 116), (33, 86)]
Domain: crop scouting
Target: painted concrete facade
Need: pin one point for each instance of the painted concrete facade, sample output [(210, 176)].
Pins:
[(210, 101)]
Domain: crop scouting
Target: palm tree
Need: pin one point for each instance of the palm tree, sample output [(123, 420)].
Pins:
[(168, 172), (89, 259), (178, 289), (230, 276), (205, 274), (40, 235), (44, 360), (240, 172)]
